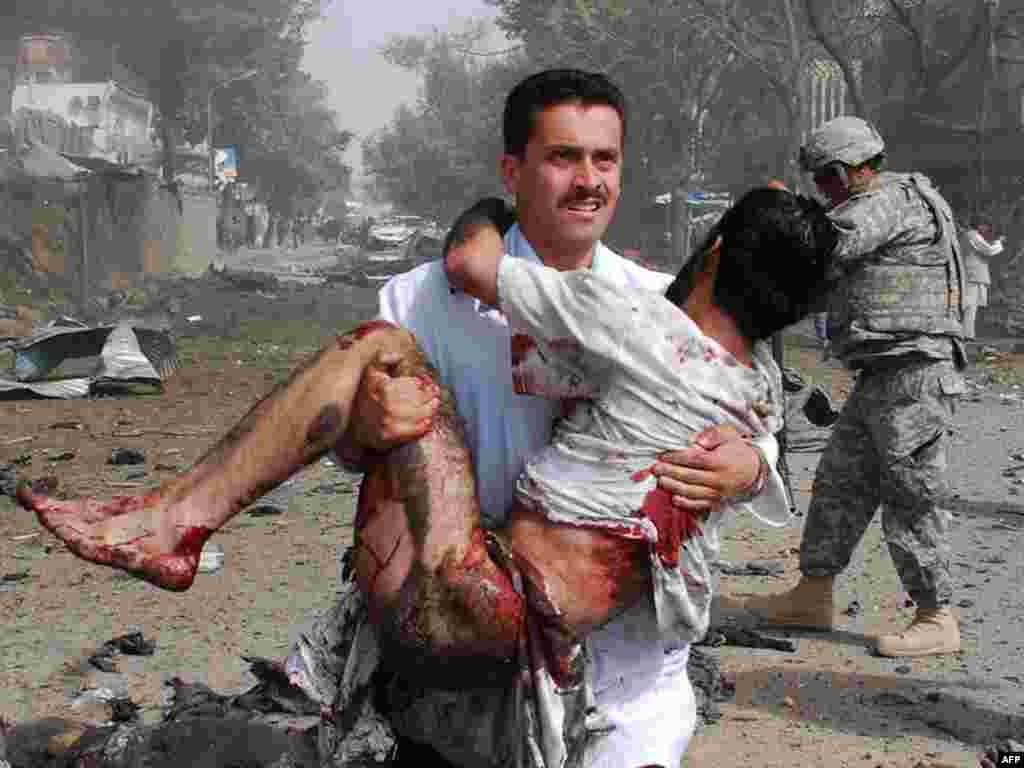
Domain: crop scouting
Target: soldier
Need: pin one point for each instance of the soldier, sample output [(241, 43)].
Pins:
[(895, 320)]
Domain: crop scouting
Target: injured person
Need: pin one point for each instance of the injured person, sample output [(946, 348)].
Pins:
[(591, 532)]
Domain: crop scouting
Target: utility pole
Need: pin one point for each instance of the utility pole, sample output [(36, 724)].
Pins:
[(679, 213), (209, 120)]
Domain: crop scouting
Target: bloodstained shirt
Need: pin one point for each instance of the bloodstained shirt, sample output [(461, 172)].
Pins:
[(643, 379)]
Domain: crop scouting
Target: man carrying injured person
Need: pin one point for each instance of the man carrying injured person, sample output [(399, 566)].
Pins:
[(435, 583)]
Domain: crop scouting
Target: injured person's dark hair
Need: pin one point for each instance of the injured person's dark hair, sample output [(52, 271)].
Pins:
[(773, 262)]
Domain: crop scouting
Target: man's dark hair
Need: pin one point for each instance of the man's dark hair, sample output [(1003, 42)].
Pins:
[(773, 262), (548, 88)]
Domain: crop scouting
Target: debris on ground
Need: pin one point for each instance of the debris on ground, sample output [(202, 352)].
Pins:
[(709, 685), (131, 644), (124, 710), (244, 279), (810, 414), (271, 725), (10, 581), (276, 502), (124, 353), (743, 637), (120, 456), (8, 479), (211, 559), (75, 425), (752, 568)]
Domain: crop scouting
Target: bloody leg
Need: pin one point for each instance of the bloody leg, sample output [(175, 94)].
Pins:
[(158, 536)]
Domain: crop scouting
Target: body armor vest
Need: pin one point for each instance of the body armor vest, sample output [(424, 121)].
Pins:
[(903, 288)]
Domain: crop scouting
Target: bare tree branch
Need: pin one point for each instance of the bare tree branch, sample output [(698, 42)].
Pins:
[(948, 125), (943, 72), (723, 20), (486, 54), (907, 25), (750, 58), (748, 30)]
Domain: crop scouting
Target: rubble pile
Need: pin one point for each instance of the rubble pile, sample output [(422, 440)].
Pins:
[(272, 725)]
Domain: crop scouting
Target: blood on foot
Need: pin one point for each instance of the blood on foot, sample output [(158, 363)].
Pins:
[(177, 571), (71, 522)]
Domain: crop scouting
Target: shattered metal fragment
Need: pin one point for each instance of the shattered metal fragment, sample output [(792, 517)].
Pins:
[(746, 638), (752, 568), (127, 456)]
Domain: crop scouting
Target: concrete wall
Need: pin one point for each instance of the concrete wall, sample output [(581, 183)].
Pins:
[(133, 226)]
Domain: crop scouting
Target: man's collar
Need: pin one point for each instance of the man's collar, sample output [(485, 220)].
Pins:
[(517, 246)]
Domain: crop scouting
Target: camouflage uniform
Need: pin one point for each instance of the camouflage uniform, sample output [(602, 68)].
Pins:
[(895, 321)]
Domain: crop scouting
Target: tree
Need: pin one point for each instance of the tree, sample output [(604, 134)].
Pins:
[(179, 48), (290, 141), (441, 154)]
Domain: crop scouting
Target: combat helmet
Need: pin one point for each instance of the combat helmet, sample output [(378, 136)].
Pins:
[(848, 140)]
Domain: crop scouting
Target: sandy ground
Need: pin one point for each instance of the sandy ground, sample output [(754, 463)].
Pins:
[(830, 703)]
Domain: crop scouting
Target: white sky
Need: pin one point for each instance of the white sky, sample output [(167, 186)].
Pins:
[(364, 88)]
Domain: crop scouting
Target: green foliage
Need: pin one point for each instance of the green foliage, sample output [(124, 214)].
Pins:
[(181, 49), (8, 286), (291, 144), (273, 345), (441, 154)]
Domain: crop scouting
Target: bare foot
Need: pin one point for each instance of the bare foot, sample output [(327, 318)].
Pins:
[(143, 535)]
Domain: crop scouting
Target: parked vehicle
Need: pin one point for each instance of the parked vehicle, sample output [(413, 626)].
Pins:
[(390, 247)]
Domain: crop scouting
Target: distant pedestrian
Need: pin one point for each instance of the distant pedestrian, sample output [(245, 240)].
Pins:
[(978, 248), (364, 231)]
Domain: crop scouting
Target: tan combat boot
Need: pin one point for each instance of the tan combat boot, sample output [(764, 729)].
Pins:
[(933, 631), (808, 605)]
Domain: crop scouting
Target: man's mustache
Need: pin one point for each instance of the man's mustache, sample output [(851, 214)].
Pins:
[(585, 196)]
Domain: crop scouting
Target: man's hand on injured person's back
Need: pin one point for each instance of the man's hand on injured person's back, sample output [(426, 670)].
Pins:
[(720, 464), (390, 409)]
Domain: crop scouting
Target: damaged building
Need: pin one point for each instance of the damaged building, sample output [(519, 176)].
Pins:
[(83, 208)]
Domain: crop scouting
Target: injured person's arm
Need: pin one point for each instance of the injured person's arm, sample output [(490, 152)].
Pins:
[(474, 249)]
